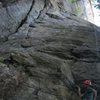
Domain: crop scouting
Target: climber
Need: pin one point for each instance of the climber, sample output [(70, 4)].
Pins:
[(87, 92)]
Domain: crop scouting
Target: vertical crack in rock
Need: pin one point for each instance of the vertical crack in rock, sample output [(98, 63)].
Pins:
[(23, 21), (43, 11)]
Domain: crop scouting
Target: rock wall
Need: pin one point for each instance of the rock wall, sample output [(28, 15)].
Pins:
[(82, 8), (14, 13), (45, 51)]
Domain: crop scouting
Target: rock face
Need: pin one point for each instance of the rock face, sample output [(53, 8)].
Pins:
[(46, 52), (12, 15), (83, 9)]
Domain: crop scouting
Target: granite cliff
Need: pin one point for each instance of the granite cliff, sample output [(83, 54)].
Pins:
[(45, 51)]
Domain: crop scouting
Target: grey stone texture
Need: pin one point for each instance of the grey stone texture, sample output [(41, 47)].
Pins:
[(45, 52)]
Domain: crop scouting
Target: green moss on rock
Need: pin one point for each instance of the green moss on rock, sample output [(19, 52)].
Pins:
[(1, 59), (73, 1)]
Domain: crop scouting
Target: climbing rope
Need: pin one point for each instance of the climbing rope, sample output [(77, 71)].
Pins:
[(96, 43), (97, 47)]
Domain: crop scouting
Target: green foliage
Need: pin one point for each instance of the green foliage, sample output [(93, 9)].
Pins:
[(78, 10), (97, 6), (73, 1)]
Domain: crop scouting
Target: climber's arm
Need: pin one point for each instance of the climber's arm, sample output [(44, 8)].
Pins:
[(95, 94), (79, 91)]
